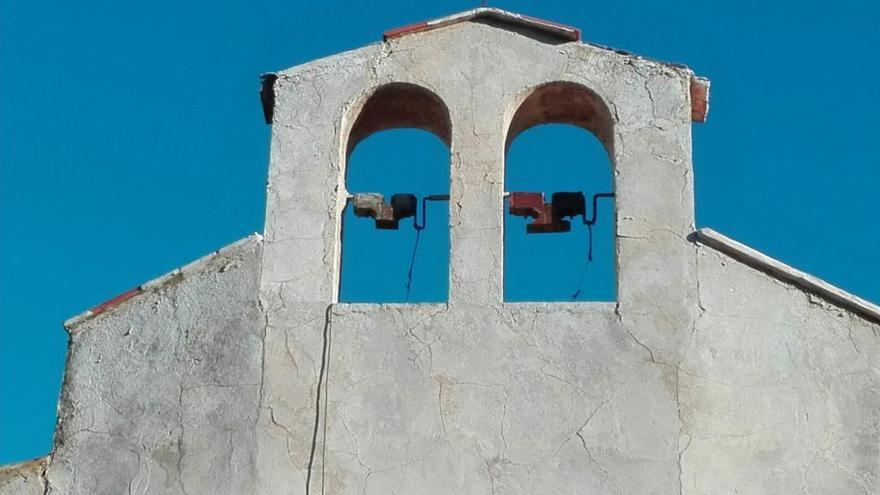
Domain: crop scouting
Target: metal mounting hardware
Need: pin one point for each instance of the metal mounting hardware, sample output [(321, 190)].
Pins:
[(531, 204), (568, 204), (594, 213), (386, 215), (549, 217), (430, 197)]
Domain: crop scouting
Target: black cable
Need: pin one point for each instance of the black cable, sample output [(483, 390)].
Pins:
[(412, 262), (419, 229), (589, 223), (596, 197), (430, 197), (583, 278), (590, 234), (325, 358), (326, 401), (580, 286)]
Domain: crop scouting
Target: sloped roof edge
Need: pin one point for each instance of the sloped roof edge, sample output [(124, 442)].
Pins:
[(786, 273), (198, 266), (30, 469), (567, 33)]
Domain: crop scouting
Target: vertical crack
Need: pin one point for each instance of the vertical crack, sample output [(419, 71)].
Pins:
[(609, 481), (180, 351), (681, 429), (264, 310), (440, 407), (44, 475), (700, 312), (180, 438)]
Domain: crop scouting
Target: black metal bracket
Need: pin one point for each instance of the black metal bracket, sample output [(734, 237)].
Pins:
[(430, 197), (592, 220)]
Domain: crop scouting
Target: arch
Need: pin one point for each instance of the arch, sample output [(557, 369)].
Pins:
[(556, 156), (563, 102), (396, 106), (394, 127)]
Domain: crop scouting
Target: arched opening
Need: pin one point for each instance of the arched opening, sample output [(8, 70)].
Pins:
[(560, 247), (397, 146)]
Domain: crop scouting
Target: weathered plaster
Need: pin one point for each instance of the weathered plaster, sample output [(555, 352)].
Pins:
[(241, 374), (477, 357), (26, 478), (795, 277), (161, 393), (780, 389)]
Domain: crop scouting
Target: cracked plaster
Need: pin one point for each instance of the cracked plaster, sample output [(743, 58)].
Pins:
[(706, 376)]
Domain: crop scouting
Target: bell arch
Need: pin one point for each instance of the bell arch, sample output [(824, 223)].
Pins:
[(560, 177), (396, 154), (398, 105)]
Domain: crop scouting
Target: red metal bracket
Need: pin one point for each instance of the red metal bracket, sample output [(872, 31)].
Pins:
[(531, 204)]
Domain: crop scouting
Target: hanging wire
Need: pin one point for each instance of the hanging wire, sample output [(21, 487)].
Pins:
[(412, 261), (589, 259), (329, 331), (589, 223), (590, 250), (323, 377), (580, 286), (419, 228), (592, 220)]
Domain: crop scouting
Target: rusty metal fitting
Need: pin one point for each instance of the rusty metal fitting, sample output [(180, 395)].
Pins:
[(386, 215), (532, 205)]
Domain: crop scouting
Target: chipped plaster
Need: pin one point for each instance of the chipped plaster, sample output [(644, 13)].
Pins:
[(716, 370)]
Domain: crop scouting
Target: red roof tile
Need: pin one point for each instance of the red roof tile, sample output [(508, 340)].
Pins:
[(561, 31)]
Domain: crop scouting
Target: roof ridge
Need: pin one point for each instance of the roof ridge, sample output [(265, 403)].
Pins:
[(198, 266), (787, 273), (562, 31)]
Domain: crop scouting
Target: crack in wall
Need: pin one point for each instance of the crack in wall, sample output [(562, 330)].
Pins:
[(410, 330), (608, 479), (701, 310), (288, 433), (44, 477), (180, 352), (440, 406)]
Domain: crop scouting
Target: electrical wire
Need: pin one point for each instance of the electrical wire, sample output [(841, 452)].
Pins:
[(412, 263), (589, 223), (589, 259), (419, 228), (326, 399), (324, 371), (592, 220)]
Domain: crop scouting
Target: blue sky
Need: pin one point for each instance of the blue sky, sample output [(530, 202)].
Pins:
[(131, 142)]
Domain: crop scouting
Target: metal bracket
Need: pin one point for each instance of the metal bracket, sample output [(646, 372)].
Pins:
[(549, 217), (386, 215), (531, 204)]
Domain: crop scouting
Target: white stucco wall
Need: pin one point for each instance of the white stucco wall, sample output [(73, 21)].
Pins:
[(161, 393), (780, 389), (476, 395), (241, 373)]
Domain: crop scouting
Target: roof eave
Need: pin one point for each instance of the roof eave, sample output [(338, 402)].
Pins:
[(198, 266), (562, 31), (788, 274)]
